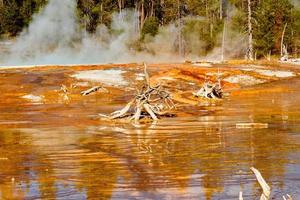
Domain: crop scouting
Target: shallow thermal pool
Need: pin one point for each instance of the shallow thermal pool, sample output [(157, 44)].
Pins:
[(56, 150)]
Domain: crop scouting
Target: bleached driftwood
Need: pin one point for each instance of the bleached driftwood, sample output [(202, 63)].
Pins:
[(92, 90), (263, 184), (150, 102), (64, 89), (287, 197), (265, 187), (241, 196), (210, 91)]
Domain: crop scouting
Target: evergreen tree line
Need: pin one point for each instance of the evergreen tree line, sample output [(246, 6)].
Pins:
[(269, 19)]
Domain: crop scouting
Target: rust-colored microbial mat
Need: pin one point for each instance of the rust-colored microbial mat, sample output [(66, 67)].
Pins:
[(53, 145)]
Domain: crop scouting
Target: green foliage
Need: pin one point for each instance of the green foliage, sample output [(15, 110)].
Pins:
[(150, 27), (294, 40), (201, 33), (17, 14), (270, 19), (239, 21)]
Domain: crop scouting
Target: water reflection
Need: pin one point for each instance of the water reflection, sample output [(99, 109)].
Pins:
[(163, 162)]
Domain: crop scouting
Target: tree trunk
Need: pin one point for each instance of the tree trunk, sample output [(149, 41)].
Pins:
[(223, 42), (221, 9), (282, 39), (120, 5), (250, 36), (206, 9), (101, 14), (142, 15), (180, 45), (152, 8)]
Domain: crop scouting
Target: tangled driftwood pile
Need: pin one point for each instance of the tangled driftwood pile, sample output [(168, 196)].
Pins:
[(210, 91), (151, 102)]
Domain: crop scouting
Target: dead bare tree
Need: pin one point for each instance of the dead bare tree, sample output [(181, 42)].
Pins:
[(250, 33), (180, 25), (121, 5), (223, 42), (282, 40), (221, 9), (283, 48)]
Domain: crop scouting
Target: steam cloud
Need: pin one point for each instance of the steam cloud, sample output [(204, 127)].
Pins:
[(54, 37)]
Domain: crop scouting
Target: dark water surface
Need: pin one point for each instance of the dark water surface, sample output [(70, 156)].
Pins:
[(201, 157)]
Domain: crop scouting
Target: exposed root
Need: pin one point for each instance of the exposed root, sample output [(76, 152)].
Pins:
[(150, 102)]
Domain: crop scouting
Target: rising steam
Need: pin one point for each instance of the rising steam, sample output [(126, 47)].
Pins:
[(54, 37)]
